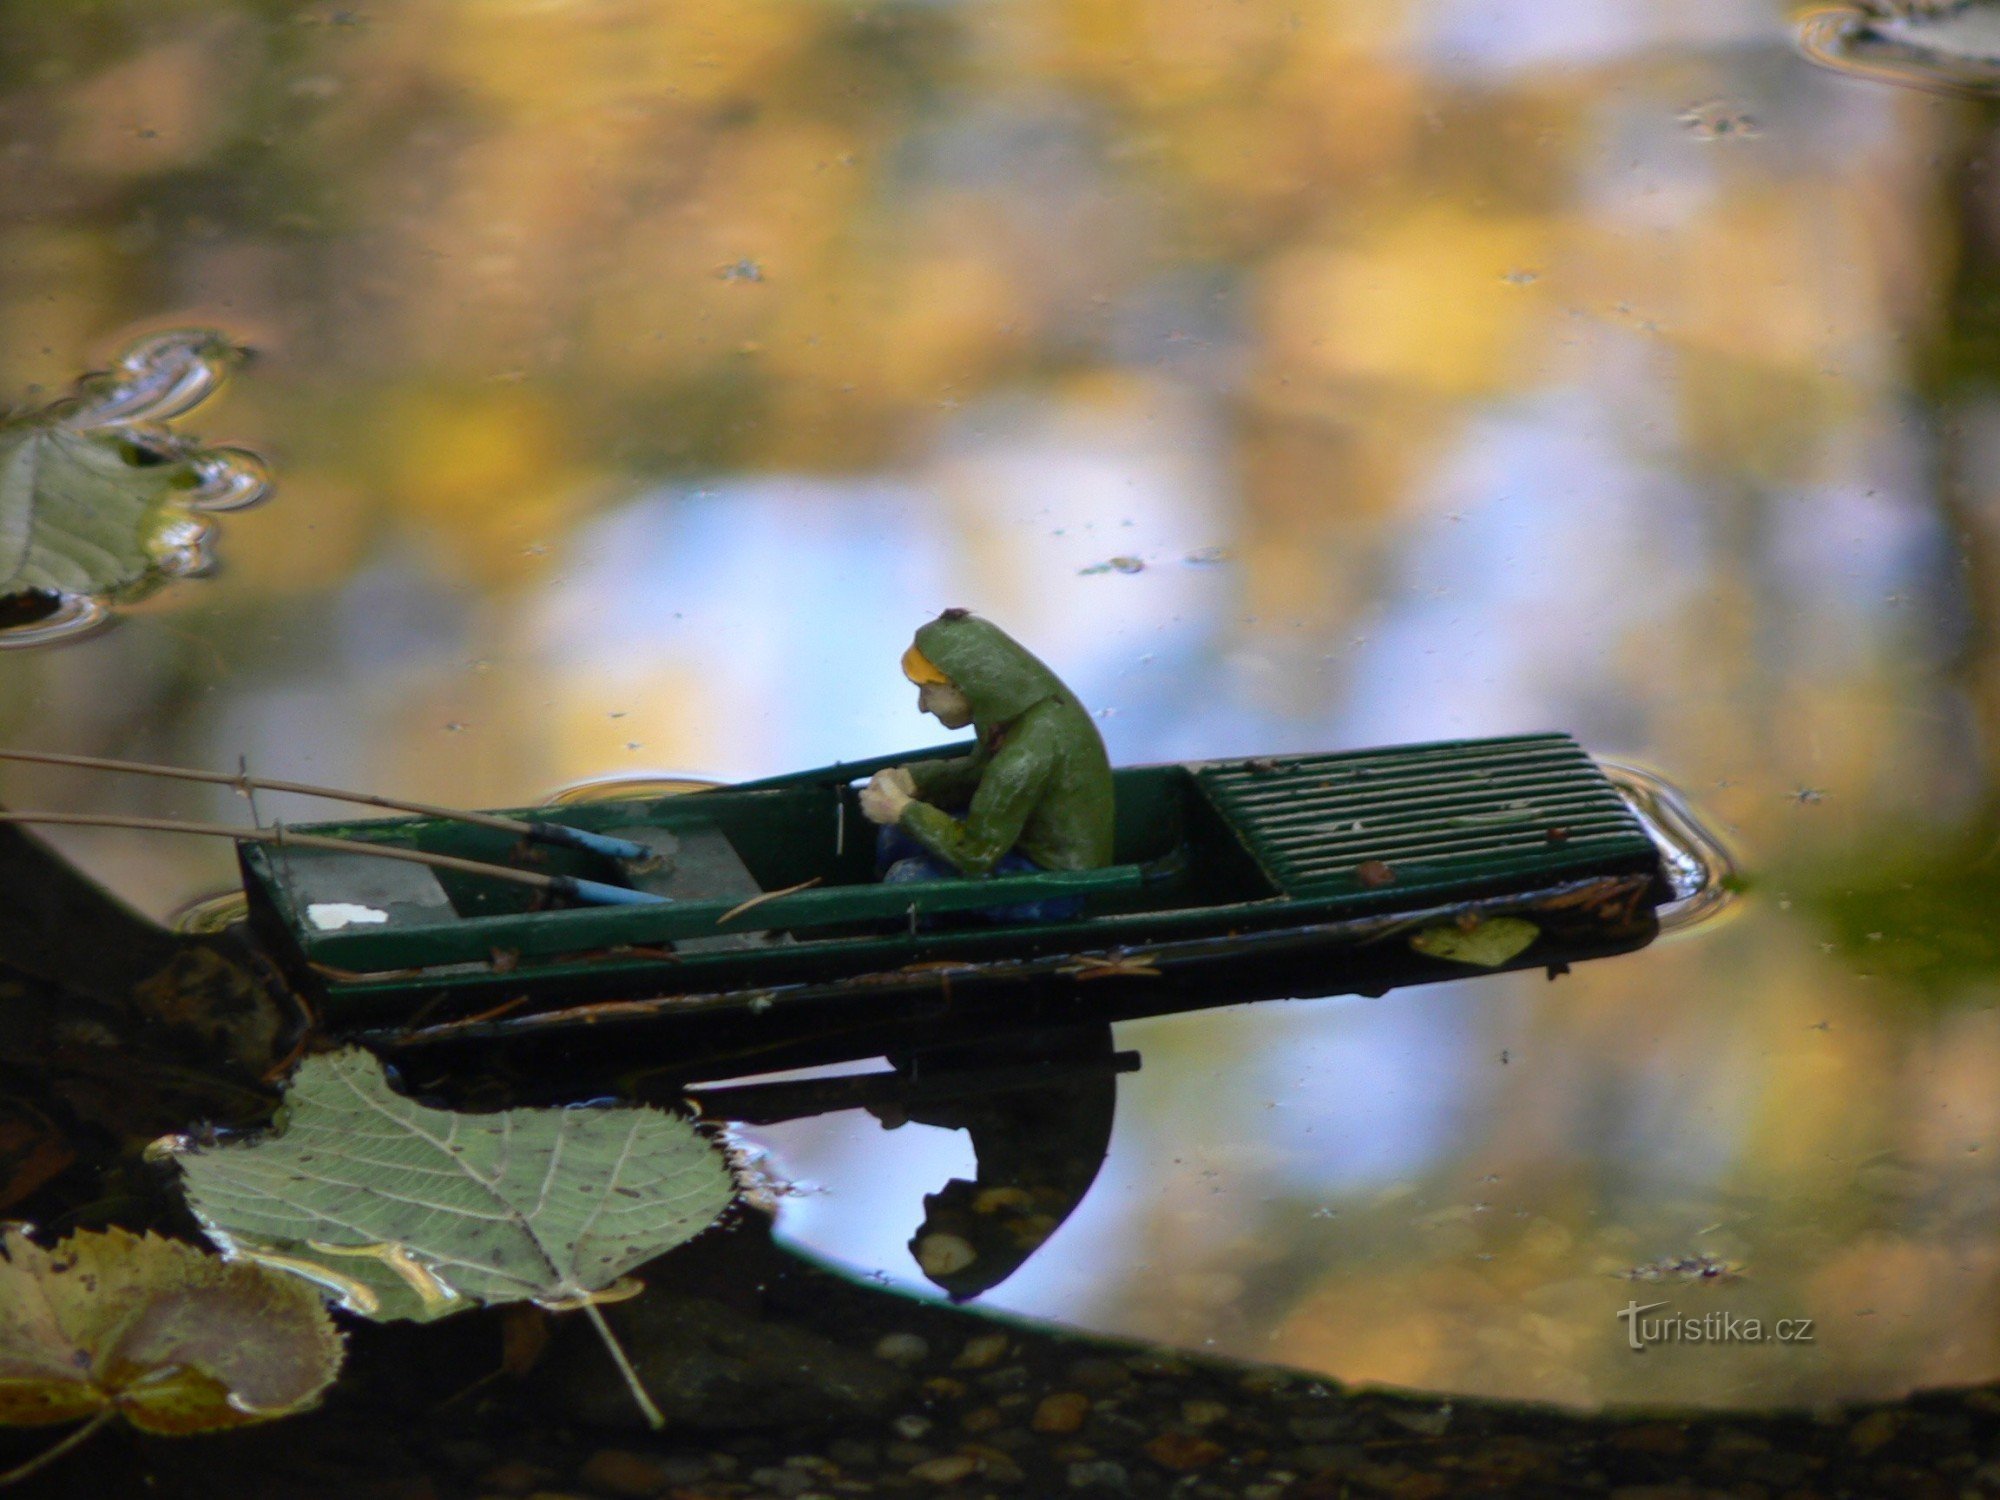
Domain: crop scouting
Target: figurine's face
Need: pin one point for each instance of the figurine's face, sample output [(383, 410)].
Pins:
[(951, 707)]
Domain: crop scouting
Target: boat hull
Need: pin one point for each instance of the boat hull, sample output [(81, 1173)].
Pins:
[(1305, 875)]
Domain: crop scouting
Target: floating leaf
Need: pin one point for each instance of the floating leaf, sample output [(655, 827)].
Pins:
[(404, 1211), (1486, 945), (411, 1212), (1115, 565), (173, 1339), (85, 512), (99, 504)]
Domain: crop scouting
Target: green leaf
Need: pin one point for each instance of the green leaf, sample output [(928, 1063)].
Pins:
[(172, 1338), (90, 511), (100, 504), (405, 1211), (1486, 945)]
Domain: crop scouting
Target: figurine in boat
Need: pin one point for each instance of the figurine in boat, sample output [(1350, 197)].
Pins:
[(1035, 791), (747, 915)]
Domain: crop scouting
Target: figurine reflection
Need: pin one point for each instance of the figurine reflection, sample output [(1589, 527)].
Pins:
[(1038, 1107)]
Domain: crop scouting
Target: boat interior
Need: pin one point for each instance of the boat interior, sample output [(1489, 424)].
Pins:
[(793, 860), (735, 845)]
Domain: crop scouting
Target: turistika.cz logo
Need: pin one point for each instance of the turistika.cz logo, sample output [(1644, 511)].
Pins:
[(1641, 1332)]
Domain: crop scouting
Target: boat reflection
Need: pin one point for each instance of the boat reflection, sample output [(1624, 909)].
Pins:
[(1037, 1103), (1038, 1107)]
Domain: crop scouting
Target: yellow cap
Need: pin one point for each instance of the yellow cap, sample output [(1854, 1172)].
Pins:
[(922, 671)]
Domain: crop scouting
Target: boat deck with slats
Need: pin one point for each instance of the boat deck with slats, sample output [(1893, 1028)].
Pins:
[(1440, 819)]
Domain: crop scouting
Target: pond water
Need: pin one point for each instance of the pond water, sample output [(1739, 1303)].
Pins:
[(635, 377)]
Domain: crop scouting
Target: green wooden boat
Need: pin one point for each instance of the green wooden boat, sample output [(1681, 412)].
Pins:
[(1302, 874)]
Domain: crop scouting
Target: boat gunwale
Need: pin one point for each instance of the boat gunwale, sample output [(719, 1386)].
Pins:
[(1624, 893), (1202, 924)]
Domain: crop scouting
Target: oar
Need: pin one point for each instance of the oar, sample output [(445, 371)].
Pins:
[(547, 833), (595, 892)]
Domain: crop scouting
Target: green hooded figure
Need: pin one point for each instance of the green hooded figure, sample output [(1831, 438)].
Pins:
[(1038, 783)]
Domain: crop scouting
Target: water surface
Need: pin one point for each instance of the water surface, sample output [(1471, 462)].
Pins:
[(636, 377)]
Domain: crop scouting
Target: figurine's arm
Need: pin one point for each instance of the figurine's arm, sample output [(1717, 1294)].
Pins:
[(947, 782), (1014, 781)]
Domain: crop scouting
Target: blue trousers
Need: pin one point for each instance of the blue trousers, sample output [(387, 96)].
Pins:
[(901, 860)]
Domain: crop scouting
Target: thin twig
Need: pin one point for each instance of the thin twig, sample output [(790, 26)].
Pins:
[(245, 783), (499, 1010), (48, 1456), (651, 1412), (247, 786), (285, 838), (356, 976), (755, 901)]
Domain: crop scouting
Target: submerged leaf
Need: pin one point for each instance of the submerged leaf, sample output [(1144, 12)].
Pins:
[(405, 1211), (173, 1339), (1487, 945)]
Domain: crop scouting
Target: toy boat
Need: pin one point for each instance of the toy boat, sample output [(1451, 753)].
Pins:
[(1235, 879)]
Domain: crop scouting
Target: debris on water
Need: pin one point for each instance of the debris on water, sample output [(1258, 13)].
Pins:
[(1808, 795), (1520, 276), (1689, 1268), (1114, 565), (1718, 120), (742, 270), (1208, 557)]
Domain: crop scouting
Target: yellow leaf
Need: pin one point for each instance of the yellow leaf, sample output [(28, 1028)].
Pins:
[(1486, 945), (172, 1339)]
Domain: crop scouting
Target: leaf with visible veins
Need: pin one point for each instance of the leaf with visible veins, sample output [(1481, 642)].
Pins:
[(411, 1212), (100, 501), (172, 1338), (90, 511), (404, 1211)]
